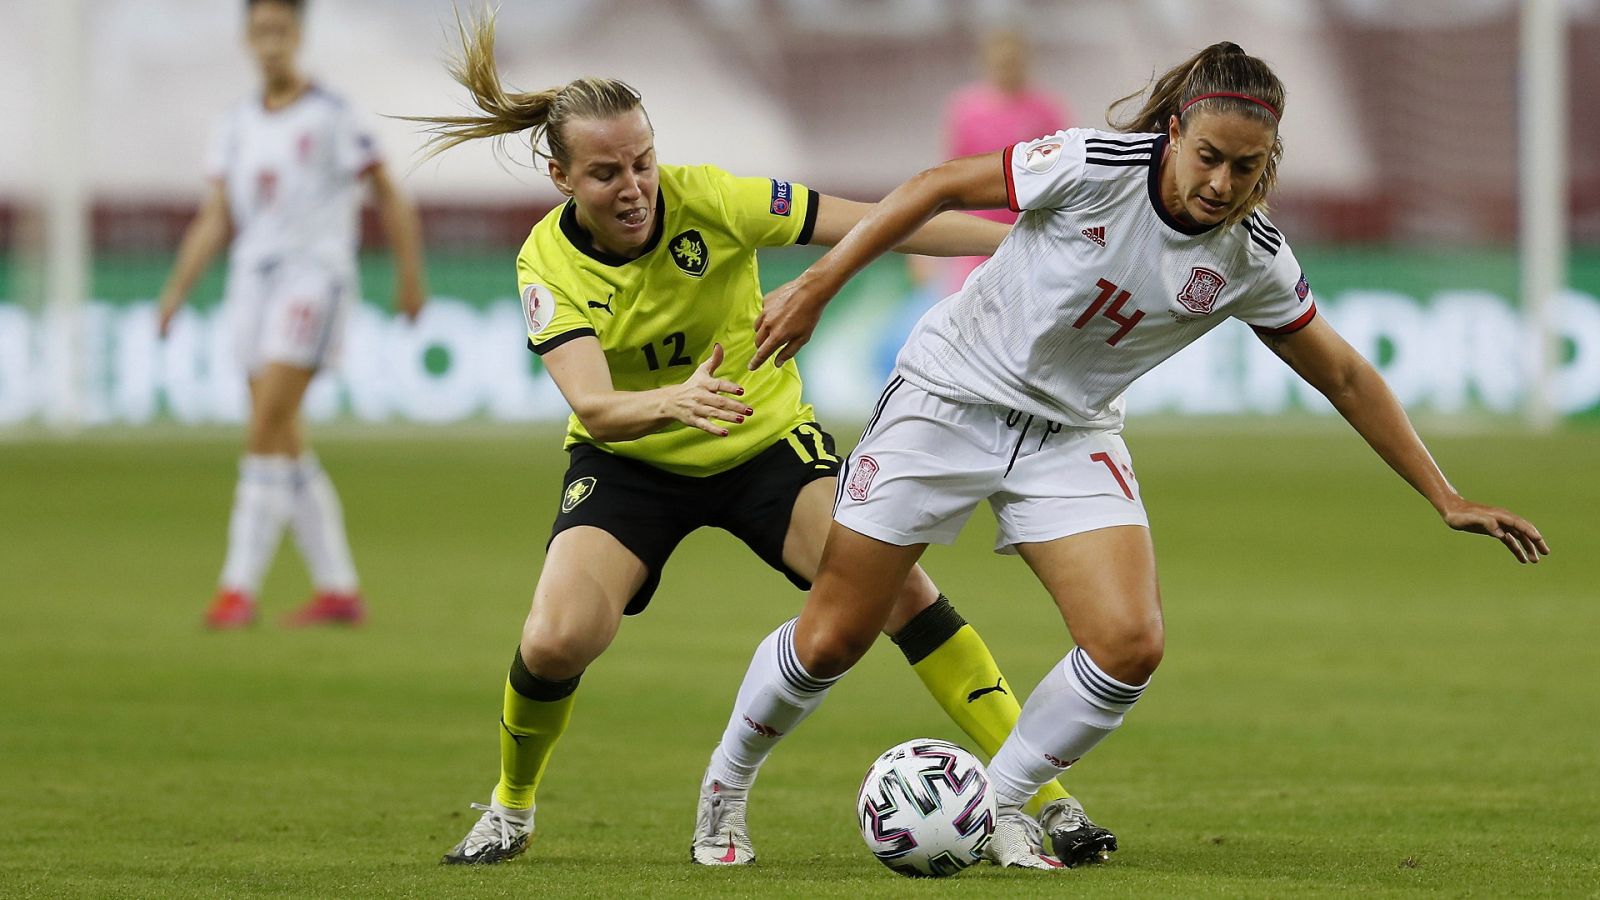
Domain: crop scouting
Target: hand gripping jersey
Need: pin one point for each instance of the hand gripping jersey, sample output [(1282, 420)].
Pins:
[(1095, 285), (293, 181), (657, 315)]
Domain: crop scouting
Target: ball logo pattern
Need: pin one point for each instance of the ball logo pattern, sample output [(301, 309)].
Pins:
[(926, 808)]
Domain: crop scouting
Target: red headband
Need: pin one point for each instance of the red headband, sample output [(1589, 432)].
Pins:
[(1245, 97)]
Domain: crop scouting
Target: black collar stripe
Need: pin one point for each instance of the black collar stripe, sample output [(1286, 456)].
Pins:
[(584, 242)]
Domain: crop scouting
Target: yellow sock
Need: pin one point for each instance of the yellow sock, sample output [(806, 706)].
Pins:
[(534, 717), (957, 669)]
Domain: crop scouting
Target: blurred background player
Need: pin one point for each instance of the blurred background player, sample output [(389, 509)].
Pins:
[(990, 114), (287, 168), (999, 110), (636, 292), (1134, 244)]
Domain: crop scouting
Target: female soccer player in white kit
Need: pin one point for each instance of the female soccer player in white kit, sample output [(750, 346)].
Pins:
[(1131, 245), (287, 169)]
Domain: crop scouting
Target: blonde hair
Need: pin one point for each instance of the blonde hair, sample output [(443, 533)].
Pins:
[(1221, 69), (543, 114)]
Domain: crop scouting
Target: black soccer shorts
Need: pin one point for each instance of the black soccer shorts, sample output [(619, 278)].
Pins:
[(650, 510)]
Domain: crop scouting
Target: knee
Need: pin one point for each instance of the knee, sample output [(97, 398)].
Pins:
[(829, 650), (552, 654), (1131, 654)]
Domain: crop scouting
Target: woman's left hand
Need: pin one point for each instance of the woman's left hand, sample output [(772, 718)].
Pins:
[(1517, 533), (789, 315)]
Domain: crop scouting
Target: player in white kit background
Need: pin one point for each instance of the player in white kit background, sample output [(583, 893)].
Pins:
[(1131, 245), (288, 168)]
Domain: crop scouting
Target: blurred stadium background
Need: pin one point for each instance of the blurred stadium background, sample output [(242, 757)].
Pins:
[(1401, 184), (1353, 699)]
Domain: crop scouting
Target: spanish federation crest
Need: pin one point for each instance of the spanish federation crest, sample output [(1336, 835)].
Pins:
[(689, 252), (1199, 295)]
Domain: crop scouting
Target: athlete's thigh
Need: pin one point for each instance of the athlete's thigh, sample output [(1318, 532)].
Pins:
[(276, 391), (856, 588), (587, 581), (1104, 583), (808, 527)]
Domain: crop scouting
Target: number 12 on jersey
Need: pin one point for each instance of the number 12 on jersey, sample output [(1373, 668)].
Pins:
[(1113, 312)]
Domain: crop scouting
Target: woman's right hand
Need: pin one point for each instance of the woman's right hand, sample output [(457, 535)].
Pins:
[(788, 317), (700, 400)]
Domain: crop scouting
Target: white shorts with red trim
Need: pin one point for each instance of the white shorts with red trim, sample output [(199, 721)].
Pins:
[(288, 313), (925, 462)]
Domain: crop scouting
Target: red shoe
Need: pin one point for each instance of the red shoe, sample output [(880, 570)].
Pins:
[(231, 609), (328, 609)]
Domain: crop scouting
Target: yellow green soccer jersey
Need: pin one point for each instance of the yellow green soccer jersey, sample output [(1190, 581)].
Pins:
[(656, 316)]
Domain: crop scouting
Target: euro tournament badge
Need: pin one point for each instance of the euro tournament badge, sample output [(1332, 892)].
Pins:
[(689, 252), (1199, 295), (1041, 158), (538, 307), (781, 197)]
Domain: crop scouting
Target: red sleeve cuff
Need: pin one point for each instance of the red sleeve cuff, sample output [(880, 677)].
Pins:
[(1011, 184), (1302, 321)]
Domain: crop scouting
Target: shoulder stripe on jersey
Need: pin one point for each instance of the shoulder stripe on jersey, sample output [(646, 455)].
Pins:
[(811, 218), (560, 339), (1097, 147), (1266, 226), (1011, 183), (1118, 161), (1302, 321), (1124, 142), (1262, 239), (1120, 151)]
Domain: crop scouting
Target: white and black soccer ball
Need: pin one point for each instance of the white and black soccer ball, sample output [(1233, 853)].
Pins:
[(926, 808)]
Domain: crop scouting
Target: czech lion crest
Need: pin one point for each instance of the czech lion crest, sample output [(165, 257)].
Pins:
[(689, 252)]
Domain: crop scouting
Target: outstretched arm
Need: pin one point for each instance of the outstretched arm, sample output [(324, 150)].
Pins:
[(1319, 355), (946, 234), (790, 313), (703, 401), (206, 235), (404, 229)]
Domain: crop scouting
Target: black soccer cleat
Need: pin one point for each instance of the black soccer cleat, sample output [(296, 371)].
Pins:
[(1074, 838)]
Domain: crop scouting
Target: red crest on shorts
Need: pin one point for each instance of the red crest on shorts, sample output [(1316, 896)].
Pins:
[(861, 478), (1200, 294)]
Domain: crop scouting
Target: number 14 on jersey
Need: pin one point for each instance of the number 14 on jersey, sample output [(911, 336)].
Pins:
[(1113, 312)]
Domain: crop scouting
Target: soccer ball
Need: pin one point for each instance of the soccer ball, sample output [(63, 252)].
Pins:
[(925, 808)]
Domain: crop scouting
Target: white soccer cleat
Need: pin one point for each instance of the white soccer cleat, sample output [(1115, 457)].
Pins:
[(1018, 843), (721, 837), (1074, 838), (496, 838)]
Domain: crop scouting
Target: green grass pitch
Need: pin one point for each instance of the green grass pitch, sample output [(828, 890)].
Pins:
[(1355, 700)]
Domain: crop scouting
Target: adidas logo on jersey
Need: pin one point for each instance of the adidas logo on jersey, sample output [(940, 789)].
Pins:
[(1097, 234)]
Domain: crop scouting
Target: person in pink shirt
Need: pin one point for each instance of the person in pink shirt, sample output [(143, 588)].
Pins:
[(993, 114)]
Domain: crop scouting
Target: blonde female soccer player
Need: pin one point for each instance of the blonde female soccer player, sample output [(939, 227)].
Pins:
[(641, 295), (1131, 245), (287, 170)]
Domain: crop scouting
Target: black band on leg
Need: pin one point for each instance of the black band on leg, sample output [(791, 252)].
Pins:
[(928, 630), (533, 687)]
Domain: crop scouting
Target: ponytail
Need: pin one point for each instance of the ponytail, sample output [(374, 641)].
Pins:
[(1222, 78), (543, 114)]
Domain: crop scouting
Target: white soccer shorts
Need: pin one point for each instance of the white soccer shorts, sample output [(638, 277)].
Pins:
[(925, 462), (288, 313)]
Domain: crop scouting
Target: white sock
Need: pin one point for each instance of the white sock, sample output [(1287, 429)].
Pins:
[(520, 816), (262, 503), (318, 526), (1072, 710), (776, 695)]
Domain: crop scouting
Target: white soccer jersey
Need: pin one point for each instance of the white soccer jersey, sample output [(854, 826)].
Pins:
[(293, 181), (1095, 285)]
